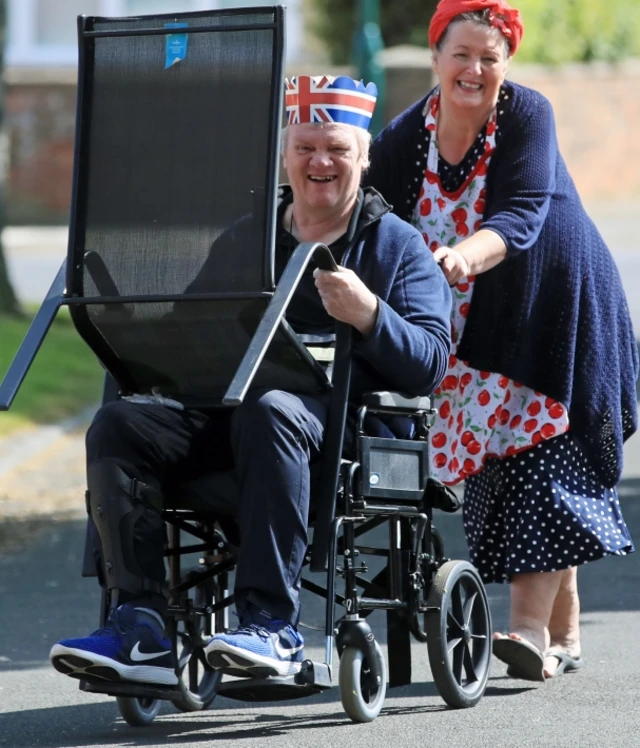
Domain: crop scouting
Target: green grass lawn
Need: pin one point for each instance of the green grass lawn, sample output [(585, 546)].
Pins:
[(64, 378)]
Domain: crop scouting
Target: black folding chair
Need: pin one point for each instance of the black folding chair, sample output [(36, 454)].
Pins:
[(177, 141)]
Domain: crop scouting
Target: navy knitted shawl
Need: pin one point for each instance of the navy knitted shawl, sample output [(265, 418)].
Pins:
[(553, 314)]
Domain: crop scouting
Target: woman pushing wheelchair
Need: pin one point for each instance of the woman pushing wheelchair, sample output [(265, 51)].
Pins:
[(540, 390)]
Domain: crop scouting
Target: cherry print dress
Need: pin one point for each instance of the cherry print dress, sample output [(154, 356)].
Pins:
[(532, 503), (481, 414)]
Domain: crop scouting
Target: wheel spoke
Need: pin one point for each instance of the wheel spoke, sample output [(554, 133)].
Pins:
[(454, 624), (185, 655), (202, 658), (468, 608), (469, 666), (452, 644), (458, 657), (457, 610)]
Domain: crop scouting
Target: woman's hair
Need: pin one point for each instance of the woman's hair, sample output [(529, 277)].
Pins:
[(479, 17), (363, 138)]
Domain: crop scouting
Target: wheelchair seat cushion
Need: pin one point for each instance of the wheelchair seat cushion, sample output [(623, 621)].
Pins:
[(217, 493)]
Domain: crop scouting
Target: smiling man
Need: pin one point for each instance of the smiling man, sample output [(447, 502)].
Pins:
[(394, 295)]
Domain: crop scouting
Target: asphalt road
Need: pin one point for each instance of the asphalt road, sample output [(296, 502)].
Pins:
[(43, 599)]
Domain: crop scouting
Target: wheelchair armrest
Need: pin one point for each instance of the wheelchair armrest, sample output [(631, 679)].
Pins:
[(396, 401)]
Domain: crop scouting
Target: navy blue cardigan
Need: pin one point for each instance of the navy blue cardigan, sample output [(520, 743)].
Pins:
[(553, 314)]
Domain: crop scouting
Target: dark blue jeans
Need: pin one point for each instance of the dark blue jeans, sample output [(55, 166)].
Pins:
[(271, 441)]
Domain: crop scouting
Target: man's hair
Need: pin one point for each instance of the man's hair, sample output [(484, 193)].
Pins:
[(480, 18), (363, 138)]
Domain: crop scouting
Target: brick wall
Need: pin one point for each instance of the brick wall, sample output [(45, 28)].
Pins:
[(597, 114), (40, 123)]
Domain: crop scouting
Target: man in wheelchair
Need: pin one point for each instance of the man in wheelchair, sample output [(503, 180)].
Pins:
[(394, 296)]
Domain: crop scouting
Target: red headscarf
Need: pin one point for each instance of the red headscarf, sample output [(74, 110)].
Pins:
[(502, 17)]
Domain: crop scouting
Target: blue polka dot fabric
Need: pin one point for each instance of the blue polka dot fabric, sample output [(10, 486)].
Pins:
[(541, 510)]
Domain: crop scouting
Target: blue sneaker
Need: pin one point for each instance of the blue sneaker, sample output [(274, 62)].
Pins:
[(275, 648), (131, 647)]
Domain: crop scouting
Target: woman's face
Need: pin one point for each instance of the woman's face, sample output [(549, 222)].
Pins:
[(471, 65)]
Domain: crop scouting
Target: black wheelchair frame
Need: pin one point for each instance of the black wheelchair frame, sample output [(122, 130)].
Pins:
[(438, 601)]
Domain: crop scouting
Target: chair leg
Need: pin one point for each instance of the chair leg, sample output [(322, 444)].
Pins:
[(398, 622), (399, 648)]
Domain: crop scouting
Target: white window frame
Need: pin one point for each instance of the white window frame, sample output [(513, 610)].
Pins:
[(23, 48)]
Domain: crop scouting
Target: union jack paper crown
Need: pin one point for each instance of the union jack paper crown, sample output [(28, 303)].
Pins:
[(328, 99)]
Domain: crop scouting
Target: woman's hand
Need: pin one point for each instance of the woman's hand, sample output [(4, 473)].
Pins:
[(453, 263), (477, 254), (346, 298)]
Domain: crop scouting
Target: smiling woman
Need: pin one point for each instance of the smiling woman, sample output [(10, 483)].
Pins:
[(540, 390), (471, 61)]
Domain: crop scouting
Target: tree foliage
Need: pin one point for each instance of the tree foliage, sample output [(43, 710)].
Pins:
[(401, 22), (559, 31), (556, 31)]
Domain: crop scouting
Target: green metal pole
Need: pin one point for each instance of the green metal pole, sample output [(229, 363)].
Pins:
[(367, 42)]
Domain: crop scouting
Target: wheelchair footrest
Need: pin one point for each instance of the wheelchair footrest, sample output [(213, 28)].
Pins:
[(312, 678), (133, 690)]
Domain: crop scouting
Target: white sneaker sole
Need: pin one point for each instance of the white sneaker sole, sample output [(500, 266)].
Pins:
[(79, 663), (222, 655)]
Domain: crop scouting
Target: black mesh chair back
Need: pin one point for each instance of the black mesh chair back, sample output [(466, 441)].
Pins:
[(177, 141)]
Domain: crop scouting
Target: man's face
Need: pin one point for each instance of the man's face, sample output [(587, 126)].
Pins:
[(324, 165)]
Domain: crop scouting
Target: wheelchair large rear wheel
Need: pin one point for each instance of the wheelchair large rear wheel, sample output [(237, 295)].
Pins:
[(362, 699), (458, 628), (198, 680)]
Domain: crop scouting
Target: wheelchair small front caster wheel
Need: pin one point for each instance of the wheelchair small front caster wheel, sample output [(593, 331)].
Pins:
[(361, 698), (138, 712), (458, 628)]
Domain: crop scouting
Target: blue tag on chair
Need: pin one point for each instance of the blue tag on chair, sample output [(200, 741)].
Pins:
[(176, 45)]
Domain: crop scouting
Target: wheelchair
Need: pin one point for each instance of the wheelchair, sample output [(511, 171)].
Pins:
[(136, 242), (437, 600)]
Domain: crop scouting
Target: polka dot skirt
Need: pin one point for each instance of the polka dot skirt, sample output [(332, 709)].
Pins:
[(541, 510)]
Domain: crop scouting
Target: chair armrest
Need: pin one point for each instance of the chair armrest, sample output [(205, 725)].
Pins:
[(392, 401)]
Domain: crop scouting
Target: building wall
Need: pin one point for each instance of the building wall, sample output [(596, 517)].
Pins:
[(40, 123), (597, 110), (597, 117)]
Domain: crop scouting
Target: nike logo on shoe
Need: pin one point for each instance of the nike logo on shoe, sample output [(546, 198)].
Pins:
[(138, 656), (286, 653)]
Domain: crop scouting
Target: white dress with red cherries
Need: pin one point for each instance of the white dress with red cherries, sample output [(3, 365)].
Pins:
[(481, 414)]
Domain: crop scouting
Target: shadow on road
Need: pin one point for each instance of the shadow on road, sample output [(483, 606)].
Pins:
[(95, 724)]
